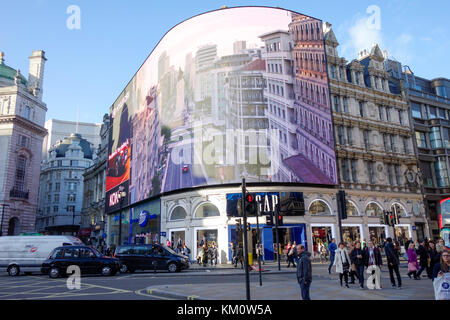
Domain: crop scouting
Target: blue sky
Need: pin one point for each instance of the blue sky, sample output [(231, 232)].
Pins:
[(89, 67)]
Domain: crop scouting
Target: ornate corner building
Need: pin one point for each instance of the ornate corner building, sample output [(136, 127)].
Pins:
[(22, 116), (374, 146)]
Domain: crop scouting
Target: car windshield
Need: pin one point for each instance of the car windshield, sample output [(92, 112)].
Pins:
[(169, 249), (97, 253)]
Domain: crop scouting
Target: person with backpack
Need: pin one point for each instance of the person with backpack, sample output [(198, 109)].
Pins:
[(393, 262)]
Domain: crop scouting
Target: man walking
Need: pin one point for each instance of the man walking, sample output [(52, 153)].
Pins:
[(357, 258), (372, 257), (393, 261), (304, 271), (332, 248)]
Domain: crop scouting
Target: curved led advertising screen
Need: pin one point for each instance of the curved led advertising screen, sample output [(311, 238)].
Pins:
[(232, 93)]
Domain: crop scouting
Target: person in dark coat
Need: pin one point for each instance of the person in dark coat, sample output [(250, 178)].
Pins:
[(393, 262), (233, 251), (239, 257), (304, 271), (434, 257), (357, 257), (372, 256), (422, 252)]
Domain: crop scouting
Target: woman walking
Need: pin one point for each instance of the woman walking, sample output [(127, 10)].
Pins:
[(342, 263), (413, 266), (352, 272)]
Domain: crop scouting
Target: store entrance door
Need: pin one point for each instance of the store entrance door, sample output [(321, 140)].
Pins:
[(177, 238), (377, 235)]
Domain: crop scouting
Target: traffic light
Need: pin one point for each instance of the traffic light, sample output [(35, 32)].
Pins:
[(238, 224), (280, 219), (269, 220), (250, 204), (390, 219), (342, 204), (383, 217)]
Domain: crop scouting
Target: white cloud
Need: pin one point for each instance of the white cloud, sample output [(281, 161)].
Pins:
[(361, 35)]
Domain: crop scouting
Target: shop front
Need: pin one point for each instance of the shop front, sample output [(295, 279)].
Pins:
[(140, 224), (177, 237), (352, 233), (402, 234), (377, 234), (268, 237), (321, 235)]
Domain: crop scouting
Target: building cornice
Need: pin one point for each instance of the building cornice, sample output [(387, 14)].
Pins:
[(22, 122)]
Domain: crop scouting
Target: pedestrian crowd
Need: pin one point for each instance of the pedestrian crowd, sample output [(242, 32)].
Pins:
[(351, 262)]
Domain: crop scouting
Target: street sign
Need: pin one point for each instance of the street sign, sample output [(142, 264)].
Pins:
[(162, 234)]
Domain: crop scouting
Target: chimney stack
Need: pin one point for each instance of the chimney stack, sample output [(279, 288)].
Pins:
[(36, 72)]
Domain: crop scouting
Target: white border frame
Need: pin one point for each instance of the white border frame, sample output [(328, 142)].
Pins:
[(196, 229), (375, 225)]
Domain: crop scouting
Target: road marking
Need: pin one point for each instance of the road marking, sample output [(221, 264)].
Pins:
[(148, 293)]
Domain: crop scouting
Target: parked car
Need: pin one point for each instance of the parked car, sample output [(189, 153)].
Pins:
[(89, 260), (27, 253), (150, 257)]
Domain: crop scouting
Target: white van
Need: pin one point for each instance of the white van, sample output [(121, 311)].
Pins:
[(27, 253)]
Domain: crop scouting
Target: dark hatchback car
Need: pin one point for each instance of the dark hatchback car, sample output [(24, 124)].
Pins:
[(89, 260), (150, 257)]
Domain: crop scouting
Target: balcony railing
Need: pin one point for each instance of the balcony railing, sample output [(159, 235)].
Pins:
[(15, 193)]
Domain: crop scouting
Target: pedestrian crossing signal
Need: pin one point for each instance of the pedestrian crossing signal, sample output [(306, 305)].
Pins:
[(269, 220), (250, 203), (280, 220)]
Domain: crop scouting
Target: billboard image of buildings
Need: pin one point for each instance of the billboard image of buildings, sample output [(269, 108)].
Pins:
[(230, 93)]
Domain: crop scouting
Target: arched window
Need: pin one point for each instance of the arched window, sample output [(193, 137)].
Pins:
[(319, 207), (351, 209), (21, 168), (178, 214), (207, 210), (373, 210), (399, 208)]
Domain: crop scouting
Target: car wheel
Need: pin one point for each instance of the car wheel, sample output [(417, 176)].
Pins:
[(13, 270), (172, 267), (123, 268), (106, 271), (53, 273)]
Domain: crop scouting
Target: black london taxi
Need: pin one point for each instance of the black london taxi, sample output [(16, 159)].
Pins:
[(89, 260), (150, 257)]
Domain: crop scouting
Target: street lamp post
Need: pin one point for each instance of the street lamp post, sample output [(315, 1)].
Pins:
[(121, 196), (3, 213)]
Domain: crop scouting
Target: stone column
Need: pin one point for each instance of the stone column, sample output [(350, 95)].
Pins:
[(386, 86)]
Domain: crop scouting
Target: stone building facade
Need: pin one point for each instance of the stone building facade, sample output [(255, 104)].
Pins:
[(374, 147), (22, 116), (61, 186)]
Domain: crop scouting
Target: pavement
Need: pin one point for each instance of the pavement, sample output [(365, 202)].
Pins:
[(324, 286)]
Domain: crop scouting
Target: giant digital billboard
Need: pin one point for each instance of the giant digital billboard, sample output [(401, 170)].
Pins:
[(237, 92)]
